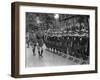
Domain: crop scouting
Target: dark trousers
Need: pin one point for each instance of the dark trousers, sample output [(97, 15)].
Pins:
[(33, 49)]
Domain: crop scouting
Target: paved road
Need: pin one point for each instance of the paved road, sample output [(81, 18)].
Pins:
[(48, 59)]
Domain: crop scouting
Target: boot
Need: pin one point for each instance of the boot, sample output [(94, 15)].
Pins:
[(34, 52), (41, 52)]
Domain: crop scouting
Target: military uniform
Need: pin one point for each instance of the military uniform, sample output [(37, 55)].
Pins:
[(33, 42), (85, 41), (39, 37), (64, 44)]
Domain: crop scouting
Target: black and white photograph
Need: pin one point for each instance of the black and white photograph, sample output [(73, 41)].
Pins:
[(51, 39), (54, 39)]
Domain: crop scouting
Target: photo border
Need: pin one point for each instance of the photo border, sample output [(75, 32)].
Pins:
[(15, 32)]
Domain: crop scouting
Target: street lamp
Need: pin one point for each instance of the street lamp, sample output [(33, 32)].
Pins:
[(56, 16)]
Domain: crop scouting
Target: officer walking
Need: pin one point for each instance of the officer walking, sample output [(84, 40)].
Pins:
[(34, 42), (39, 36)]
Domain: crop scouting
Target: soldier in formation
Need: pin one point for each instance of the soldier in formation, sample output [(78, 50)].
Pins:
[(77, 46)]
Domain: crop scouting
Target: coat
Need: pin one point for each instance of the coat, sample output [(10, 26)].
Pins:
[(39, 36), (33, 39)]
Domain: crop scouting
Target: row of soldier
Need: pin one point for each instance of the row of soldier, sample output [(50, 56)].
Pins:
[(77, 46)]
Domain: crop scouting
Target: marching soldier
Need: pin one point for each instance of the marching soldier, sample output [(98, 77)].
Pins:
[(39, 36), (33, 42)]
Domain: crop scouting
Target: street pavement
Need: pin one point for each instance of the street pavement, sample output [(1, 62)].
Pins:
[(48, 59)]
